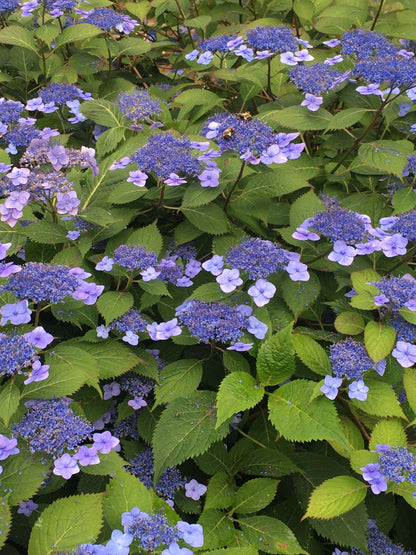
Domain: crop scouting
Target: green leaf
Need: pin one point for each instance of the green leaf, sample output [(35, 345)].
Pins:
[(300, 295), (408, 315), (9, 401), (67, 522), (335, 497), (361, 281), (155, 287), (220, 492), (381, 400), (311, 353), (149, 237), (109, 140), (298, 418), (178, 379), (299, 117), (386, 156), (77, 33), (22, 476), (113, 304), (186, 429), (18, 36), (266, 461), (388, 431), (404, 200), (132, 46), (195, 195), (112, 358), (274, 183), (255, 495), (208, 292), (109, 463), (123, 492), (218, 528), (350, 323), (46, 232), (363, 301), (210, 219), (125, 193), (379, 340), (238, 392), (276, 359), (102, 111), (409, 383), (347, 117), (348, 529), (70, 368), (5, 522), (270, 535), (352, 435)]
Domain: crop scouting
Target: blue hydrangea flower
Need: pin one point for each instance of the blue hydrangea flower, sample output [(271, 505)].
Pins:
[(52, 427), (108, 20), (134, 257), (362, 43), (316, 78), (165, 154), (213, 321), (349, 359), (257, 257), (276, 38), (138, 106), (216, 44), (16, 353), (149, 530)]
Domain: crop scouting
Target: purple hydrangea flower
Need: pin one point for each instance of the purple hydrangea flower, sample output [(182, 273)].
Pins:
[(257, 328), (358, 390), (111, 390), (229, 280), (194, 490), (17, 313), (262, 291), (87, 456), (27, 507), (405, 353), (240, 346), (330, 387), (192, 534), (214, 265), (131, 338), (174, 549), (88, 293), (66, 466), (7, 447), (106, 264), (39, 372), (39, 337), (342, 253), (105, 442), (119, 543), (312, 102)]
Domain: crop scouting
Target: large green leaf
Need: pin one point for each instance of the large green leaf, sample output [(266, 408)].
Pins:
[(113, 304), (276, 359), (218, 528), (379, 340), (255, 495), (386, 156), (123, 493), (9, 401), (178, 379), (102, 112), (5, 522), (299, 117), (381, 400), (186, 429), (113, 358), (210, 219), (77, 33), (311, 353), (18, 36), (300, 295), (298, 418), (238, 391), (270, 535), (67, 522), (335, 497), (220, 492), (22, 476), (149, 237)]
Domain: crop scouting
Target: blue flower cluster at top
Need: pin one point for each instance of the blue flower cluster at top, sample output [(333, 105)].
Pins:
[(136, 385), (213, 321), (258, 257), (165, 154), (397, 464), (52, 427), (405, 224), (150, 531), (349, 359), (216, 44), (253, 135), (405, 331), (42, 282), (378, 544), (277, 38), (398, 290), (10, 110), (132, 321), (338, 223), (171, 480), (8, 5), (59, 93), (394, 70), (316, 78), (15, 353), (21, 134), (364, 44), (134, 257), (138, 105), (107, 19)]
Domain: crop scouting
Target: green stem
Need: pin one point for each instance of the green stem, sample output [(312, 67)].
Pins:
[(239, 176), (377, 15), (361, 137)]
